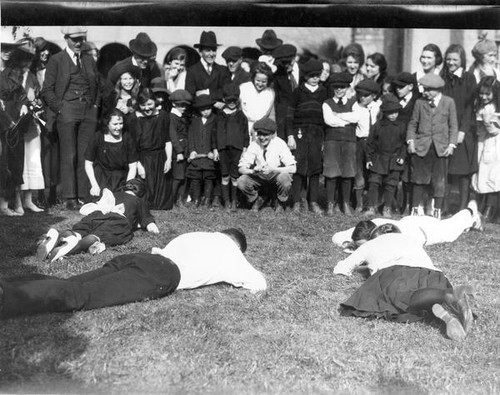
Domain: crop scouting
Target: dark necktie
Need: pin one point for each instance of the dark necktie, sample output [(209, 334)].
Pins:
[(78, 63), (265, 154), (432, 104)]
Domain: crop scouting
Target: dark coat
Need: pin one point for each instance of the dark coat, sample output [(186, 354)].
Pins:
[(385, 144), (147, 74), (283, 97), (232, 130), (197, 79)]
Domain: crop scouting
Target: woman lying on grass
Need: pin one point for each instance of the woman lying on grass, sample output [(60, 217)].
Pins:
[(404, 285), (109, 222)]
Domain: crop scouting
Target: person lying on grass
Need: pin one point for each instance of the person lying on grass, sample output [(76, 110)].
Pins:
[(404, 285), (189, 261), (424, 229), (109, 222)]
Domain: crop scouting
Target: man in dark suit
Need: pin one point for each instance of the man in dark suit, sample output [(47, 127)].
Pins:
[(143, 56), (233, 57), (207, 77), (432, 135), (71, 92)]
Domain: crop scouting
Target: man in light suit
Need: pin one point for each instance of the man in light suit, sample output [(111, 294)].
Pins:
[(432, 135), (71, 93)]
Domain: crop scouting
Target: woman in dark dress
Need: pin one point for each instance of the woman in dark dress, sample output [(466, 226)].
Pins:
[(150, 129), (460, 85), (111, 157)]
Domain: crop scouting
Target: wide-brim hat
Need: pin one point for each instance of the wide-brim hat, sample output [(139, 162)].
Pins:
[(41, 44), (367, 86), (269, 40), (432, 81), (181, 96), (312, 66), (143, 46), (26, 46), (342, 79), (203, 101), (207, 39), (158, 84), (265, 126), (390, 103), (74, 31), (403, 79), (121, 68), (231, 91), (8, 44), (232, 54)]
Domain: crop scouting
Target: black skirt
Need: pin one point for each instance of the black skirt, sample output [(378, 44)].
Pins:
[(112, 228), (387, 293)]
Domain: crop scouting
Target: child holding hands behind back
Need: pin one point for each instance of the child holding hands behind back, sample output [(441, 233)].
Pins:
[(386, 153)]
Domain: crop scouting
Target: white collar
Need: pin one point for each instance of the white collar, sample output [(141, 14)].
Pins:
[(343, 100), (176, 111), (311, 88), (407, 98), (437, 99), (139, 114), (205, 64), (72, 55), (459, 72)]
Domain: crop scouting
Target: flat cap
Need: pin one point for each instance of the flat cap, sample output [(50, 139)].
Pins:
[(403, 79), (203, 101), (340, 79), (368, 86), (390, 103), (159, 84), (432, 81), (181, 96), (74, 31), (312, 66), (285, 51), (232, 53), (265, 125), (230, 91)]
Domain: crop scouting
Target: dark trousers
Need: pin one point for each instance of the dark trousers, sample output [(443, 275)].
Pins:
[(76, 124), (124, 279)]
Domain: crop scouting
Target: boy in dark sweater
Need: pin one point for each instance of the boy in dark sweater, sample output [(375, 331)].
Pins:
[(178, 129), (386, 152), (232, 138), (304, 128)]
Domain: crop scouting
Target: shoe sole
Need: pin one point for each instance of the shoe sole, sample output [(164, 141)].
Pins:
[(454, 329), (46, 246)]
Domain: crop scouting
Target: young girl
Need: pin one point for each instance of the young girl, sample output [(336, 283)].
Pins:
[(150, 128), (430, 60), (202, 151), (232, 139), (485, 57), (305, 132), (257, 96), (111, 157), (354, 58), (376, 68), (487, 178), (461, 86), (122, 94), (386, 152), (174, 68)]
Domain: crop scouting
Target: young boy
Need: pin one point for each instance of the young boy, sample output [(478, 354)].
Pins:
[(111, 221), (385, 151), (339, 153), (202, 151), (304, 128), (432, 136), (178, 129), (232, 138)]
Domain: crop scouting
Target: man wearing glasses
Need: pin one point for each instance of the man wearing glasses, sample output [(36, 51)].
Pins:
[(71, 93), (143, 56)]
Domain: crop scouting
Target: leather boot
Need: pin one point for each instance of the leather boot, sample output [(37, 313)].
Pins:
[(488, 214)]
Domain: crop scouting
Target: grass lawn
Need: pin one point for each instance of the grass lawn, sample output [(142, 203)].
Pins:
[(220, 339)]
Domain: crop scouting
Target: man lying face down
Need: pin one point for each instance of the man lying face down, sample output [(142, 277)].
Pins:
[(189, 261), (404, 285)]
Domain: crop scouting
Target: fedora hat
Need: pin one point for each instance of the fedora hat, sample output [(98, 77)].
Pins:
[(143, 46), (207, 39), (269, 40)]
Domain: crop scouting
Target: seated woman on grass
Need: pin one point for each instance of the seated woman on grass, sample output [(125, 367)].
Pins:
[(404, 285)]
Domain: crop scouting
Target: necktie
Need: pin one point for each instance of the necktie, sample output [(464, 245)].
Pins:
[(264, 154), (209, 69), (432, 104), (78, 63), (293, 81)]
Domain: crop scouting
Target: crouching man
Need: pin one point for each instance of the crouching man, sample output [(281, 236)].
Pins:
[(217, 257), (267, 163)]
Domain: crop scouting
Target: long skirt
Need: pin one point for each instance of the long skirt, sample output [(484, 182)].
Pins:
[(159, 184), (386, 294), (32, 171)]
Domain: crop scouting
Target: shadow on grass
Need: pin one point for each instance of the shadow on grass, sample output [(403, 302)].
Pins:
[(37, 353)]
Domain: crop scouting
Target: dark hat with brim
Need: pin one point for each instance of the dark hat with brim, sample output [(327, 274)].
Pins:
[(390, 103), (265, 126), (269, 40), (231, 92), (312, 66), (41, 44), (158, 84), (285, 52), (207, 40), (431, 81), (26, 46), (143, 46), (340, 79), (203, 101), (121, 68), (232, 54), (368, 87), (403, 79), (181, 96)]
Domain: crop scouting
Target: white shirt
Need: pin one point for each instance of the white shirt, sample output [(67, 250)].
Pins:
[(385, 251), (405, 100), (72, 55), (206, 258), (277, 155), (256, 105)]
